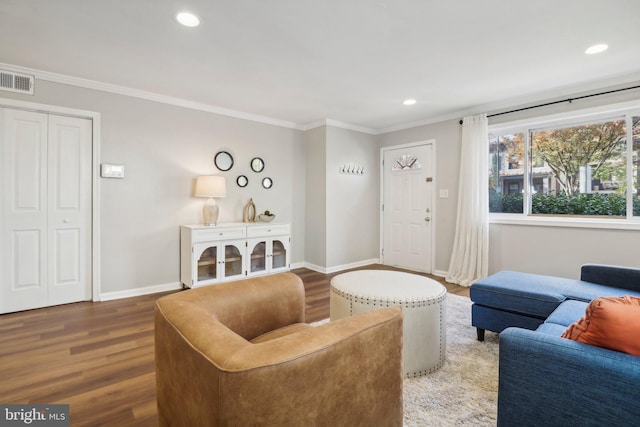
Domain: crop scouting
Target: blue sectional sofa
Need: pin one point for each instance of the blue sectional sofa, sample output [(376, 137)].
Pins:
[(546, 380)]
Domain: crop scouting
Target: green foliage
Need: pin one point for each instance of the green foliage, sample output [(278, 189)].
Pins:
[(507, 203), (565, 204)]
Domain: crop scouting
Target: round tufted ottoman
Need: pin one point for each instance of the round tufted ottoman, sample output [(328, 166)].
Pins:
[(423, 304)]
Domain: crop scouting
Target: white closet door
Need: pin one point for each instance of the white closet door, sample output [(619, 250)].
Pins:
[(69, 176), (44, 221)]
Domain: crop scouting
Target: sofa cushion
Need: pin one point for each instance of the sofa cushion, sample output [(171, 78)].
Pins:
[(530, 294), (567, 313), (586, 291), (609, 322)]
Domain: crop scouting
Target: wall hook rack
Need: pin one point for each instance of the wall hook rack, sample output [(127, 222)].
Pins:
[(351, 169)]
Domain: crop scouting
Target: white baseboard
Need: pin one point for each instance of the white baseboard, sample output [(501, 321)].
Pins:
[(108, 296), (329, 270), (440, 273), (174, 286)]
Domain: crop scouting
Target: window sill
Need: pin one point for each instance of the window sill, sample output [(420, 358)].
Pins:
[(572, 222)]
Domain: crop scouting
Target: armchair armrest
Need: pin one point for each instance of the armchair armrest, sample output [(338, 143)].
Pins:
[(552, 381), (611, 275)]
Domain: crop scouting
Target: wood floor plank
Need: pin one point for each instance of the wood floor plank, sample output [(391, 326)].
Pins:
[(99, 357)]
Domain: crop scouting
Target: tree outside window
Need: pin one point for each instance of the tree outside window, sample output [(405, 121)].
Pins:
[(578, 170)]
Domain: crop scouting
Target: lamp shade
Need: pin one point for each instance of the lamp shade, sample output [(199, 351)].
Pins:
[(211, 186)]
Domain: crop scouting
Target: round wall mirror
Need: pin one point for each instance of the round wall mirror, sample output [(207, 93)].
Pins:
[(267, 183), (242, 181), (257, 165), (223, 160)]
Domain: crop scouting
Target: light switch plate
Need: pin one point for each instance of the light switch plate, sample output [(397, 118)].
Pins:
[(112, 171), (444, 194)]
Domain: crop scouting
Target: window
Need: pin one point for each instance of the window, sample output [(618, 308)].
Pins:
[(578, 168), (406, 162), (506, 182)]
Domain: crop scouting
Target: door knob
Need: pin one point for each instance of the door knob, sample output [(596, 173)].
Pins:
[(427, 219)]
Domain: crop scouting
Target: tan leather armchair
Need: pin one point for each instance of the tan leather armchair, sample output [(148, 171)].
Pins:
[(240, 354)]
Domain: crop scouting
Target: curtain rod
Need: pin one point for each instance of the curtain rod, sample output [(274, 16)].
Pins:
[(569, 100)]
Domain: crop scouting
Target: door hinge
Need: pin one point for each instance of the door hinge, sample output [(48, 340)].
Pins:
[(382, 207), (382, 251)]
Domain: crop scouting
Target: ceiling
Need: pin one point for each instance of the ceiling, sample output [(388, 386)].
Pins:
[(350, 61)]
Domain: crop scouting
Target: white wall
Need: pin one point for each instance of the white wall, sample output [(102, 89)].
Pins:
[(559, 251), (164, 148), (334, 218), (353, 206), (315, 197)]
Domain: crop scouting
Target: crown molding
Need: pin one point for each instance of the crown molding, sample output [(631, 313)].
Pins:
[(149, 96), (339, 124), (488, 108)]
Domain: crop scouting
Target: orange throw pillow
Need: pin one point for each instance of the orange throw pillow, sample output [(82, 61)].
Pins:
[(609, 322)]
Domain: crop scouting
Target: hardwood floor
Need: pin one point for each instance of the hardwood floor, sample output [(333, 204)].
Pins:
[(98, 357)]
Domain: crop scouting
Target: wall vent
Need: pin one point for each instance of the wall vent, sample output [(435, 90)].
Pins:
[(15, 82)]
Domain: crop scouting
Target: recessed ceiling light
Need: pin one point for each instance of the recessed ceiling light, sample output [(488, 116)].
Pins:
[(409, 101), (596, 48), (188, 19)]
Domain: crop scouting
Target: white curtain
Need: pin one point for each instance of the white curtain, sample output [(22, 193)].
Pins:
[(470, 255)]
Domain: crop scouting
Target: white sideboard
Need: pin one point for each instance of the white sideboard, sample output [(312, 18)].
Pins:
[(232, 251)]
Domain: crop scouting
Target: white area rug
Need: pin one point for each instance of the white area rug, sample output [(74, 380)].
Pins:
[(464, 392)]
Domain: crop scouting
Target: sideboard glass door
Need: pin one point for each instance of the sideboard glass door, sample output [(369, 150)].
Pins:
[(279, 252), (208, 264), (258, 257), (233, 262)]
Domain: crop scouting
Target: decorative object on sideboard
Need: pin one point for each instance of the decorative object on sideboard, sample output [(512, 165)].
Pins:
[(210, 186), (223, 160), (257, 164), (242, 181), (351, 169), (267, 216), (249, 214), (267, 183)]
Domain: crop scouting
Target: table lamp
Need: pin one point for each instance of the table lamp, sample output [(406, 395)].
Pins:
[(210, 186)]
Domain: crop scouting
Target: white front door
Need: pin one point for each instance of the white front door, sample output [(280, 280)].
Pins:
[(45, 214), (407, 212)]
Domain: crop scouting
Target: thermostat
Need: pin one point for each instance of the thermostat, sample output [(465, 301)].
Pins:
[(112, 171)]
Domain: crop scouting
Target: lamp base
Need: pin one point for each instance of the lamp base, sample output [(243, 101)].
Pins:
[(210, 212)]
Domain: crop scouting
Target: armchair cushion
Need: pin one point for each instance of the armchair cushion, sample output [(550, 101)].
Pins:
[(609, 322)]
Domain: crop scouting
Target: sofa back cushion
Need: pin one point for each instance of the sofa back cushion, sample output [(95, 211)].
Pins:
[(609, 322)]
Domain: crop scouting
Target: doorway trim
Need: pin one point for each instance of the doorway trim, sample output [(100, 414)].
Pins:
[(95, 169), (434, 210)]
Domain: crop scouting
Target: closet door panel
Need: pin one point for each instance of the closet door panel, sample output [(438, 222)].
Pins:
[(23, 212)]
